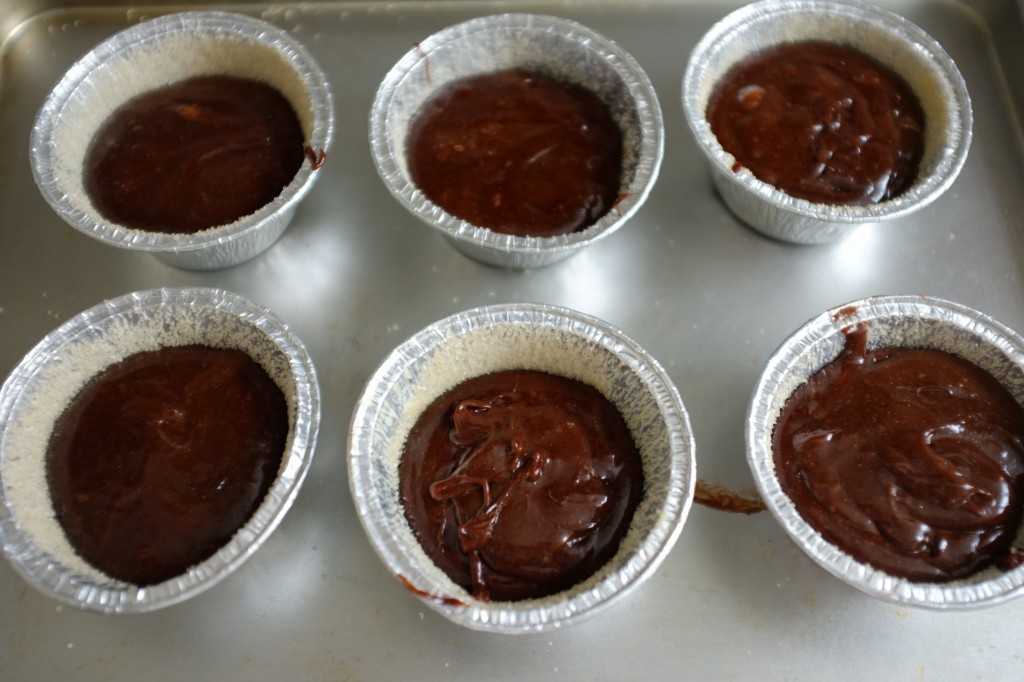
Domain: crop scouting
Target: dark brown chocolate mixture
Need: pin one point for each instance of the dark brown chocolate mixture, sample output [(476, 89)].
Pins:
[(193, 155), (518, 153), (520, 484), (717, 496), (163, 456), (910, 460), (821, 122)]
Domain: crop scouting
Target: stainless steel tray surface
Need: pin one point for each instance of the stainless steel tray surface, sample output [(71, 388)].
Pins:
[(355, 275)]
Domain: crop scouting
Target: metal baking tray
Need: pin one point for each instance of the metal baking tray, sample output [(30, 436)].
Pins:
[(355, 275)]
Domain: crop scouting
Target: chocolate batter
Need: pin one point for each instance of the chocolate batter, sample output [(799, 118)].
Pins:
[(520, 484), (821, 122), (163, 456), (910, 460), (193, 155), (517, 152)]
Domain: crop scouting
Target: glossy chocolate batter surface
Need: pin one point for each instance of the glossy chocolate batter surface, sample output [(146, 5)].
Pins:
[(193, 155), (517, 152), (910, 460), (820, 121), (520, 484), (163, 456)]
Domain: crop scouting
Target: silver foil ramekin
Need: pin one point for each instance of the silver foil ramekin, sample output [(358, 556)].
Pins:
[(559, 48), (156, 53), (544, 338), (889, 38), (52, 373), (891, 321)]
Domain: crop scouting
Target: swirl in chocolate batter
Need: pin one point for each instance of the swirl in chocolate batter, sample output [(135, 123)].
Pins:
[(520, 484), (820, 121), (910, 460)]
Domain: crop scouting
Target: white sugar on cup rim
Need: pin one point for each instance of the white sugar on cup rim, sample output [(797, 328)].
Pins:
[(521, 336), (153, 54), (889, 38), (891, 321), (51, 374), (559, 48)]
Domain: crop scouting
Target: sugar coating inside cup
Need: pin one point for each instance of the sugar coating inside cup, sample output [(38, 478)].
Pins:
[(69, 360), (161, 59), (883, 35), (896, 44), (894, 321), (557, 48), (472, 344)]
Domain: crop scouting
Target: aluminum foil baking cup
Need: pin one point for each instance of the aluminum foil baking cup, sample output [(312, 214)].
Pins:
[(153, 54), (887, 37), (548, 339), (48, 378), (559, 48), (891, 321)]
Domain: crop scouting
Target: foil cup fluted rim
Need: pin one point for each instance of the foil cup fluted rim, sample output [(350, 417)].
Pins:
[(896, 320), (380, 511), (488, 245), (792, 219), (51, 566), (226, 244)]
